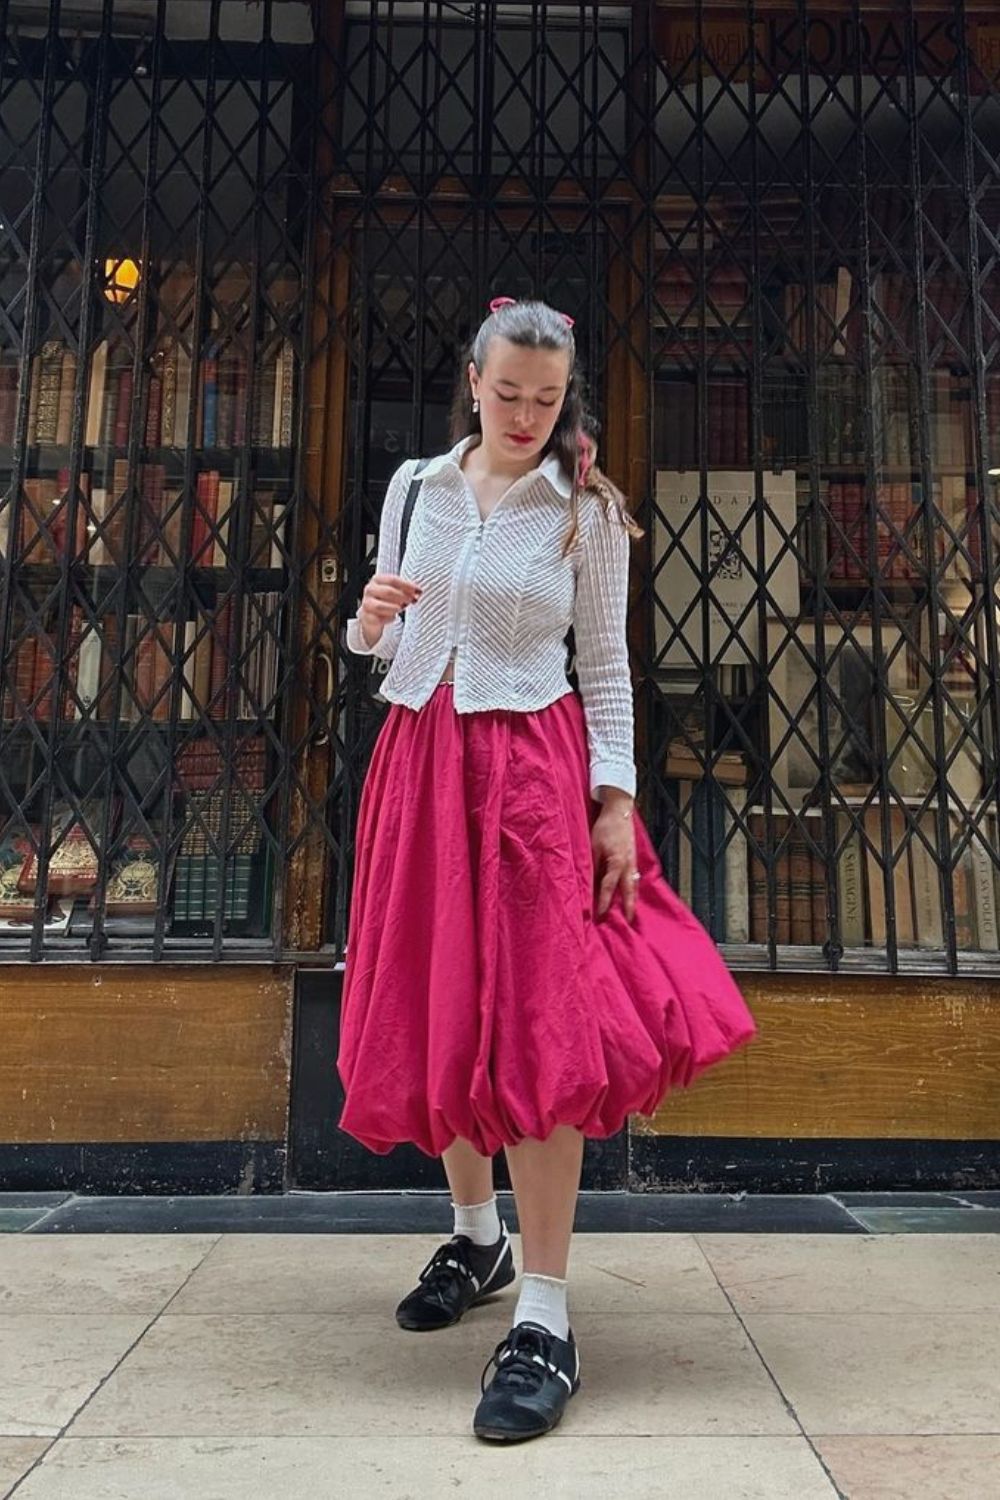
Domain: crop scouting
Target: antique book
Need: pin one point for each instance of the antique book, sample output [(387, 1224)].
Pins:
[(34, 384), (901, 879), (202, 669), (800, 887), (154, 409), (67, 386), (926, 884), (8, 402), (133, 879), (95, 394), (286, 391), (167, 365), (876, 875), (187, 703), (219, 556), (757, 874), (16, 902), (782, 879), (736, 884), (171, 527), (182, 398), (72, 868), (984, 895), (49, 381), (123, 406), (964, 897)]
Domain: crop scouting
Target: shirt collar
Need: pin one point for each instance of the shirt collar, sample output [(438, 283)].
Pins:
[(550, 468)]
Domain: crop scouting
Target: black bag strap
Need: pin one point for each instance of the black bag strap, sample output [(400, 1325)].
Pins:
[(408, 504)]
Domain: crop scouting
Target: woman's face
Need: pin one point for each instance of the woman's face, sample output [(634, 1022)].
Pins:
[(520, 395)]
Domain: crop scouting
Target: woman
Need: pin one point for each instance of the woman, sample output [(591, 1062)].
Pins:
[(518, 972)]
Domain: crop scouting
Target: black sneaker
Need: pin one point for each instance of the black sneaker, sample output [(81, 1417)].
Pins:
[(457, 1276), (536, 1375)]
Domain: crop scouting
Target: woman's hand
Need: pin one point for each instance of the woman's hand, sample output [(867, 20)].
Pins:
[(383, 597), (613, 842)]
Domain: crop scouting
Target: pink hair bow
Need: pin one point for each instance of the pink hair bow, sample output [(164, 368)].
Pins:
[(499, 302)]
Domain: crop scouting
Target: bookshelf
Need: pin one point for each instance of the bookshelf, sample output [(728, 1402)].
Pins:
[(145, 486), (826, 774)]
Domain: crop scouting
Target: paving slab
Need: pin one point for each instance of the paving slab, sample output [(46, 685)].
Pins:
[(413, 1468), (899, 1374), (876, 1274), (16, 1457), (87, 1274), (337, 1376), (899, 1468), (50, 1365)]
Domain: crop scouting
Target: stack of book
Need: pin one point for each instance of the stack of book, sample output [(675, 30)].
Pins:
[(899, 531), (683, 305), (91, 675), (705, 854), (870, 884), (200, 862), (45, 518), (842, 406), (835, 318), (792, 846), (727, 435), (217, 383)]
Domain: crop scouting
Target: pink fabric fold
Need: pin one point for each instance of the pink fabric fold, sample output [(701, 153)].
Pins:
[(482, 999)]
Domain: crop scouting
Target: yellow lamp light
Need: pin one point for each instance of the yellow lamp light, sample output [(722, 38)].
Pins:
[(121, 277)]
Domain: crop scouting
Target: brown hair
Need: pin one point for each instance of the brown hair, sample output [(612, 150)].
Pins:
[(536, 325)]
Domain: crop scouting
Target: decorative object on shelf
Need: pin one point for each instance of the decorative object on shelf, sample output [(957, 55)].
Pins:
[(727, 583), (796, 688)]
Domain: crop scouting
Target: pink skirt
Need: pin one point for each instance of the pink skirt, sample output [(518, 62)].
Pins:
[(482, 998)]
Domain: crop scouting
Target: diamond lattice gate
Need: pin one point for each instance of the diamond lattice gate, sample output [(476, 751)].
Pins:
[(241, 250)]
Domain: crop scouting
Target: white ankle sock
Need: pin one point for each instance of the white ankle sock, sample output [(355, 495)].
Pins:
[(480, 1221), (543, 1300)]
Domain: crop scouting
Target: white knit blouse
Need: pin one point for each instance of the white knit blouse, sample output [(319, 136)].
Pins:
[(499, 595)]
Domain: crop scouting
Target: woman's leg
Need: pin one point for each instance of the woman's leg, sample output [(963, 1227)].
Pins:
[(470, 1176), (469, 1268), (545, 1176)]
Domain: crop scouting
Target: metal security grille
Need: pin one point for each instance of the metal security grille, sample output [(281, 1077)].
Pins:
[(271, 228), (155, 201)]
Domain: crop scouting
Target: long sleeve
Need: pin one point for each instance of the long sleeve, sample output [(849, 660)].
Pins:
[(388, 561), (599, 626)]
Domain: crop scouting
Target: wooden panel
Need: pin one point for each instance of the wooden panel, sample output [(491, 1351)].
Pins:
[(326, 397), (852, 1058), (144, 1054)]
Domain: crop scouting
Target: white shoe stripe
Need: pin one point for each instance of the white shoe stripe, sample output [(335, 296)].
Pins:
[(498, 1262)]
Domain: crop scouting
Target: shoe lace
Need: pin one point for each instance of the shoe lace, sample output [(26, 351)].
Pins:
[(445, 1261), (516, 1358)]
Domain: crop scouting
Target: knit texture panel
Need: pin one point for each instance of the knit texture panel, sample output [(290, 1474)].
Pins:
[(502, 591)]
